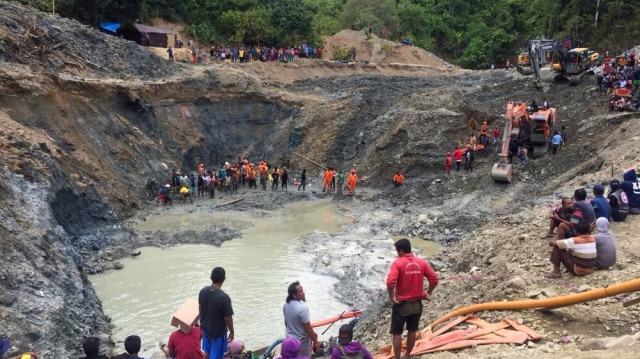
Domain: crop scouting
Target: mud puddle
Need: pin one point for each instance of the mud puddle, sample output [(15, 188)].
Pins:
[(259, 265)]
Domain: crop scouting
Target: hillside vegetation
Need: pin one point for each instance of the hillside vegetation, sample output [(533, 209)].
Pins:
[(470, 33)]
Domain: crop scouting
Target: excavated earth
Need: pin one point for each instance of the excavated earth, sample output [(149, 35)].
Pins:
[(86, 120)]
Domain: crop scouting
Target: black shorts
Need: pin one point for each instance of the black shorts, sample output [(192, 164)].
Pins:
[(398, 321)]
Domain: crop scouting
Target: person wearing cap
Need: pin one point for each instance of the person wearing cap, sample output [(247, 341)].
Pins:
[(618, 201), (405, 283), (398, 179), (346, 345), (605, 245), (601, 206), (577, 254), (297, 320)]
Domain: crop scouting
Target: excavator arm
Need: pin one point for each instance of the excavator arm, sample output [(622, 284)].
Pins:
[(537, 51)]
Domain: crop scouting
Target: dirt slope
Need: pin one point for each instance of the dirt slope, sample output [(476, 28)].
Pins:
[(381, 51)]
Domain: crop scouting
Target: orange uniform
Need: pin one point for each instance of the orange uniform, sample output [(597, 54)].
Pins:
[(352, 181), (327, 177), (398, 178)]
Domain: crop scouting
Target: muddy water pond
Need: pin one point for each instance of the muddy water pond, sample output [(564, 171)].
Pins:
[(260, 265)]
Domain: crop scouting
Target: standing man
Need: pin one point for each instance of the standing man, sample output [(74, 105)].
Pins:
[(457, 154), (216, 316), (556, 140), (297, 320), (405, 286)]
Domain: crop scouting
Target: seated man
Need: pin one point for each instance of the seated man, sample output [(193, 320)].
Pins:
[(347, 348), (605, 245), (631, 187), (601, 206), (398, 179), (618, 201), (577, 254), (561, 215), (589, 215)]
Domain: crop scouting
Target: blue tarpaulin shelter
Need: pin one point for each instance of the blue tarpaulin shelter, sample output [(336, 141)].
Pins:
[(109, 27)]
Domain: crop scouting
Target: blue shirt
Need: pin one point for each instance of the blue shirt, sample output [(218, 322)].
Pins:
[(601, 207), (556, 140)]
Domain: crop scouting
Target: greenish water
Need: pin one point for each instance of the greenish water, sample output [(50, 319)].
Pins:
[(141, 297)]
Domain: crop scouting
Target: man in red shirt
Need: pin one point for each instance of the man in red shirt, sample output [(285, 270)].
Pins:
[(184, 343), (405, 286), (457, 154)]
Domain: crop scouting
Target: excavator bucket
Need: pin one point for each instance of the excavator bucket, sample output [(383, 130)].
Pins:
[(502, 172)]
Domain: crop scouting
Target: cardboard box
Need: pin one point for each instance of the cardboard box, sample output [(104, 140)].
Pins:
[(188, 314)]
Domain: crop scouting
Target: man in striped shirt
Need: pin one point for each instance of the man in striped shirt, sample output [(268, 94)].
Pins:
[(577, 254)]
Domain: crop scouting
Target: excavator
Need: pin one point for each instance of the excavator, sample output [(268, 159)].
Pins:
[(530, 129), (569, 64)]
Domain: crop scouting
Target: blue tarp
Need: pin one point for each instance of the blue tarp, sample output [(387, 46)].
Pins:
[(109, 27)]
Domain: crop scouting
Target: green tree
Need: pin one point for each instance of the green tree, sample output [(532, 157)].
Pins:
[(379, 14), (292, 19)]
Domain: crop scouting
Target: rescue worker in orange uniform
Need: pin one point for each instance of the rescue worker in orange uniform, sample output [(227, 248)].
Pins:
[(398, 179), (262, 172), (484, 131), (252, 176), (327, 177), (352, 180)]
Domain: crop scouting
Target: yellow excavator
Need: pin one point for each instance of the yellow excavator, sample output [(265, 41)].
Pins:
[(569, 64), (530, 129)]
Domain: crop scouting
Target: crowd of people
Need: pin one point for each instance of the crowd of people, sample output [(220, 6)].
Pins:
[(242, 54), (584, 241), (230, 177), (212, 336), (619, 79)]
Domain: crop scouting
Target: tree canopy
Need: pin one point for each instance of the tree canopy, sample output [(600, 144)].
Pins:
[(471, 33)]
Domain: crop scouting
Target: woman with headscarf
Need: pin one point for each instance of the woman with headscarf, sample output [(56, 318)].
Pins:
[(605, 244), (290, 348)]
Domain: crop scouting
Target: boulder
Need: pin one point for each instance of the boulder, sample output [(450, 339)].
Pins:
[(533, 294), (620, 343), (517, 283)]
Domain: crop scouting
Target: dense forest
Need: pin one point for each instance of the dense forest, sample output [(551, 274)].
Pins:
[(471, 33)]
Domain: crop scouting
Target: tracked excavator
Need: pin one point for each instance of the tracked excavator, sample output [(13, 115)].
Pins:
[(569, 64), (529, 129)]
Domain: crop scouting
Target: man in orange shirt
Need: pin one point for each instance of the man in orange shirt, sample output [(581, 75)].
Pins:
[(327, 177), (398, 179), (352, 181)]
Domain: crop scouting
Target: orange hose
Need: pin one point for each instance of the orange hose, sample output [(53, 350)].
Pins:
[(556, 302)]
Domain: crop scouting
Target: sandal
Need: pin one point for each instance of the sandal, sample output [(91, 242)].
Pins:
[(552, 275)]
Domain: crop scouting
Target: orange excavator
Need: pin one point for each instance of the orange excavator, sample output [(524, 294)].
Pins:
[(529, 129)]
